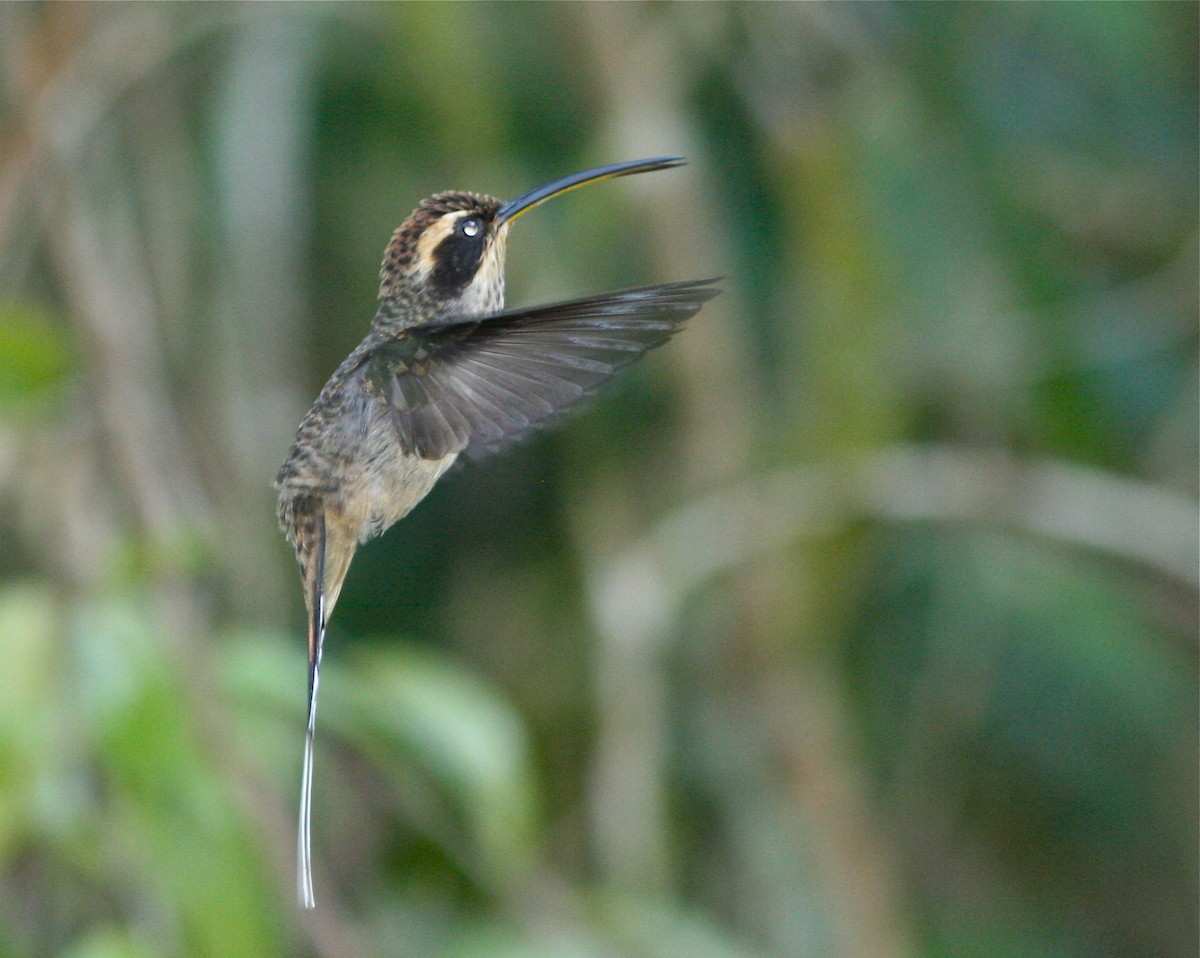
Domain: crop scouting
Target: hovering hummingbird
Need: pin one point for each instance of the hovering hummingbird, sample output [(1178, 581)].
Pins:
[(446, 370)]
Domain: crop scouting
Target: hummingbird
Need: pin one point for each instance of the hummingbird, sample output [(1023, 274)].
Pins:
[(446, 371)]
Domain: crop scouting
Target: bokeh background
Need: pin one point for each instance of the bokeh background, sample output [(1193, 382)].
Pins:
[(860, 621)]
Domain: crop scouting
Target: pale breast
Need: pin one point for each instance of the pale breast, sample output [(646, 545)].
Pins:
[(391, 484)]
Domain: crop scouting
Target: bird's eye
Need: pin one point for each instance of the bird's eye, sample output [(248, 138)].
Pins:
[(470, 226)]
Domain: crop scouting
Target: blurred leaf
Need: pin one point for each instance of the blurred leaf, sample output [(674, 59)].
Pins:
[(172, 826), (660, 929), (109, 943), (407, 708), (1015, 940), (30, 694), (412, 705), (501, 942), (34, 355)]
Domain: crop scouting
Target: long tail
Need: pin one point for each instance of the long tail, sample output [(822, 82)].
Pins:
[(314, 584)]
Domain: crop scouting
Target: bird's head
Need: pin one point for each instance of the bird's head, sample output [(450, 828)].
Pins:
[(450, 250)]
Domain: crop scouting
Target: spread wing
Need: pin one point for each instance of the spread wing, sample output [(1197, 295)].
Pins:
[(477, 385)]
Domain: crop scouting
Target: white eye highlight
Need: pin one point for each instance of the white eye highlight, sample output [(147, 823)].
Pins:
[(470, 226)]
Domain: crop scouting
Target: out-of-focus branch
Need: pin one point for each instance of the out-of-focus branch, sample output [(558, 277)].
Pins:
[(253, 380), (1126, 518), (644, 94), (77, 64), (647, 90), (108, 295), (138, 446), (637, 595)]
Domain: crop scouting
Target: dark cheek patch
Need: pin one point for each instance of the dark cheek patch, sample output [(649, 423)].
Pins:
[(456, 259)]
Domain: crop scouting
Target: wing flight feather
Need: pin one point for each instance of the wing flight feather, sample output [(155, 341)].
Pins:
[(479, 384)]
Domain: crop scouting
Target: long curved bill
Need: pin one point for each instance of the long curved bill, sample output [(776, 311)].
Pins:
[(527, 201)]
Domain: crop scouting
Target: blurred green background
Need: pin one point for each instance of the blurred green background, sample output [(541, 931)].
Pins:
[(859, 621)]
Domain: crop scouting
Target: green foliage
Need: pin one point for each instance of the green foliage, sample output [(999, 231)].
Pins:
[(34, 357), (858, 621)]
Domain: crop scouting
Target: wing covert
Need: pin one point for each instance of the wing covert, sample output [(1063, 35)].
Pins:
[(477, 385)]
